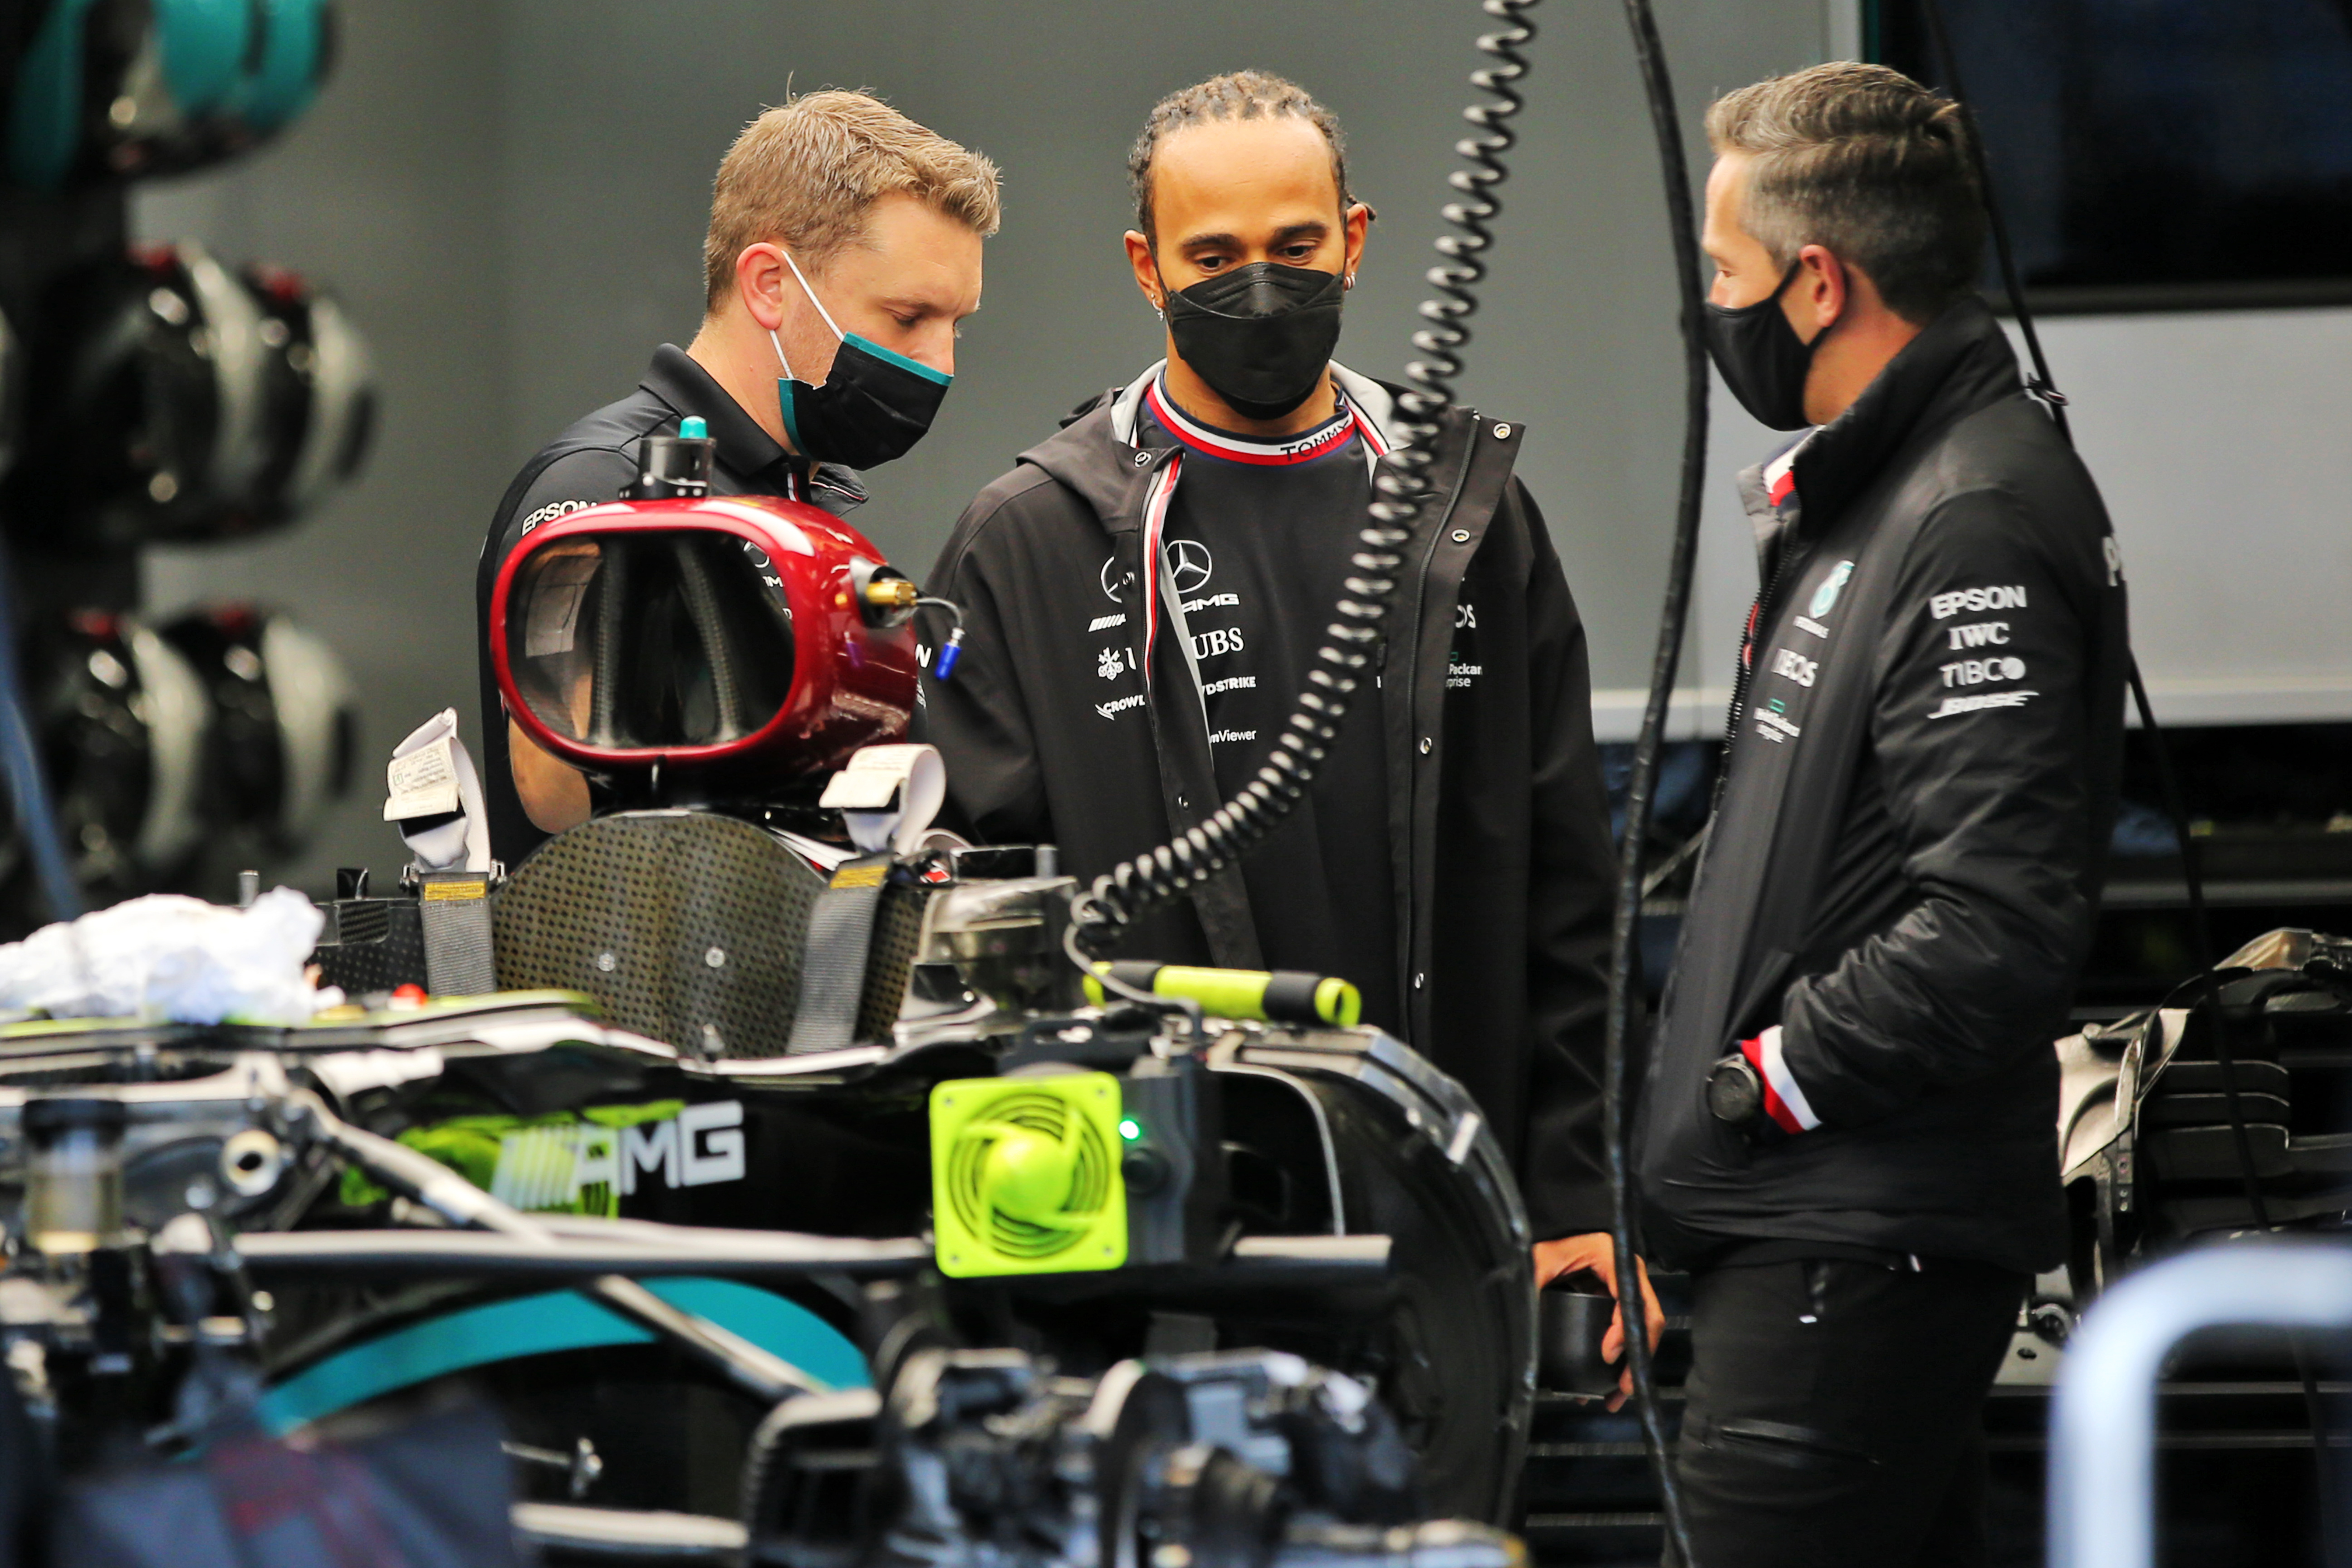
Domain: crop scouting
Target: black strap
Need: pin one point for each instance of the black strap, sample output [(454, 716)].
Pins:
[(833, 958)]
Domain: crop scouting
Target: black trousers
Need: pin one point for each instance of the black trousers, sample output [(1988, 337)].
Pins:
[(1835, 1412)]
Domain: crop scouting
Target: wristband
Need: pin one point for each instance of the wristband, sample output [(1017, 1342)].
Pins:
[(1785, 1104)]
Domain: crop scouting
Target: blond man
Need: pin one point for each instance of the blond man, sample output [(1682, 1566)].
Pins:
[(843, 250)]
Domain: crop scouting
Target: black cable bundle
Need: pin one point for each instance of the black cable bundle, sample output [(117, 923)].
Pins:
[(1193, 856)]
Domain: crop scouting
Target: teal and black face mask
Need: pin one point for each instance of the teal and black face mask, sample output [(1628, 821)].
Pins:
[(874, 406)]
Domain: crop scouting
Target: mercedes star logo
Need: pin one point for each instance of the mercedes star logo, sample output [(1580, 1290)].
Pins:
[(1188, 564)]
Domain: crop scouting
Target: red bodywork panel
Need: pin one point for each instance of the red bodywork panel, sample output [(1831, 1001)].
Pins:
[(853, 683)]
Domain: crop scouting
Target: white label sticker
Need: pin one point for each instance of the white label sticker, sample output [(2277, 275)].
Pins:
[(421, 784)]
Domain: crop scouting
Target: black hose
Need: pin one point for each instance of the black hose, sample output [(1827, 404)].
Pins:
[(20, 759), (1403, 498), (2200, 929), (1624, 953)]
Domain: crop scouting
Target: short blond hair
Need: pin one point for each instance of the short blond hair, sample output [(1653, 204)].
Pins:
[(805, 173)]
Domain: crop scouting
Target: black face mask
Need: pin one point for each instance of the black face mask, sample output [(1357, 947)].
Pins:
[(1259, 335), (1762, 359), (874, 406)]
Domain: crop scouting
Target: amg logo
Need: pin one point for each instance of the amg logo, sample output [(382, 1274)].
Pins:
[(1980, 633), (1213, 602), (1105, 623), (1944, 606), (704, 1144), (559, 1165)]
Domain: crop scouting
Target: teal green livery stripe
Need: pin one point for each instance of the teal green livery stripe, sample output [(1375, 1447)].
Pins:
[(901, 361), (542, 1325)]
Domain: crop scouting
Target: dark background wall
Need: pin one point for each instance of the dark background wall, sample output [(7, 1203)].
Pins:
[(510, 198)]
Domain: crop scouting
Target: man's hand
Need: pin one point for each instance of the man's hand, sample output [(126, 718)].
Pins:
[(1598, 1252)]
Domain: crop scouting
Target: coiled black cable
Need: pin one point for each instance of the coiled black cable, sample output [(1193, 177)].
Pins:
[(1624, 948), (1400, 500)]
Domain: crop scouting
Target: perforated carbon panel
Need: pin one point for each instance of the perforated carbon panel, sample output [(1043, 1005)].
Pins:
[(374, 944), (686, 926)]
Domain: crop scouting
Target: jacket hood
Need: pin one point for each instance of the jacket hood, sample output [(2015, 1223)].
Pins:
[(1096, 456)]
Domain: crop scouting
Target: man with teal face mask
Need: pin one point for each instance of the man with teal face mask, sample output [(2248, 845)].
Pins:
[(844, 248)]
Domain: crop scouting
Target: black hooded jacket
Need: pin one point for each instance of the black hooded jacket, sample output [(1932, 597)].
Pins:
[(1499, 840), (1906, 862)]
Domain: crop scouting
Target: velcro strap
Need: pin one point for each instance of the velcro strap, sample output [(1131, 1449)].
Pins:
[(833, 958), (454, 908)]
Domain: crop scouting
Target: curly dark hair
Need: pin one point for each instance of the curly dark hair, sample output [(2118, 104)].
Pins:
[(1237, 95)]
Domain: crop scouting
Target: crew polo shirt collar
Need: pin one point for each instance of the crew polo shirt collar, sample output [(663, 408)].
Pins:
[(757, 460)]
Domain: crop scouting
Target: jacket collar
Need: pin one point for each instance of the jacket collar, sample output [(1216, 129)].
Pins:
[(745, 450), (1373, 401), (1959, 364), (1095, 454)]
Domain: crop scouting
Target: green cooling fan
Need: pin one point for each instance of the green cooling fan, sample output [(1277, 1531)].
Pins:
[(1026, 1175)]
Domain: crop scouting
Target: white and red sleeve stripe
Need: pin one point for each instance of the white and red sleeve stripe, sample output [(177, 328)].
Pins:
[(1784, 1100)]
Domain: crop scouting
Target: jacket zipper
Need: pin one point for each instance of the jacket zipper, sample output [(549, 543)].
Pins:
[(1744, 677), (1411, 676)]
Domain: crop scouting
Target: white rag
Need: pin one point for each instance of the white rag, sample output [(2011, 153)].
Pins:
[(168, 957)]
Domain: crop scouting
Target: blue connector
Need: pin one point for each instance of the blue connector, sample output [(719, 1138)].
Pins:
[(693, 428), (949, 653)]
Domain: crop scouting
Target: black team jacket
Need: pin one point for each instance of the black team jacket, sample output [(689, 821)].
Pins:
[(1498, 826), (1906, 862)]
